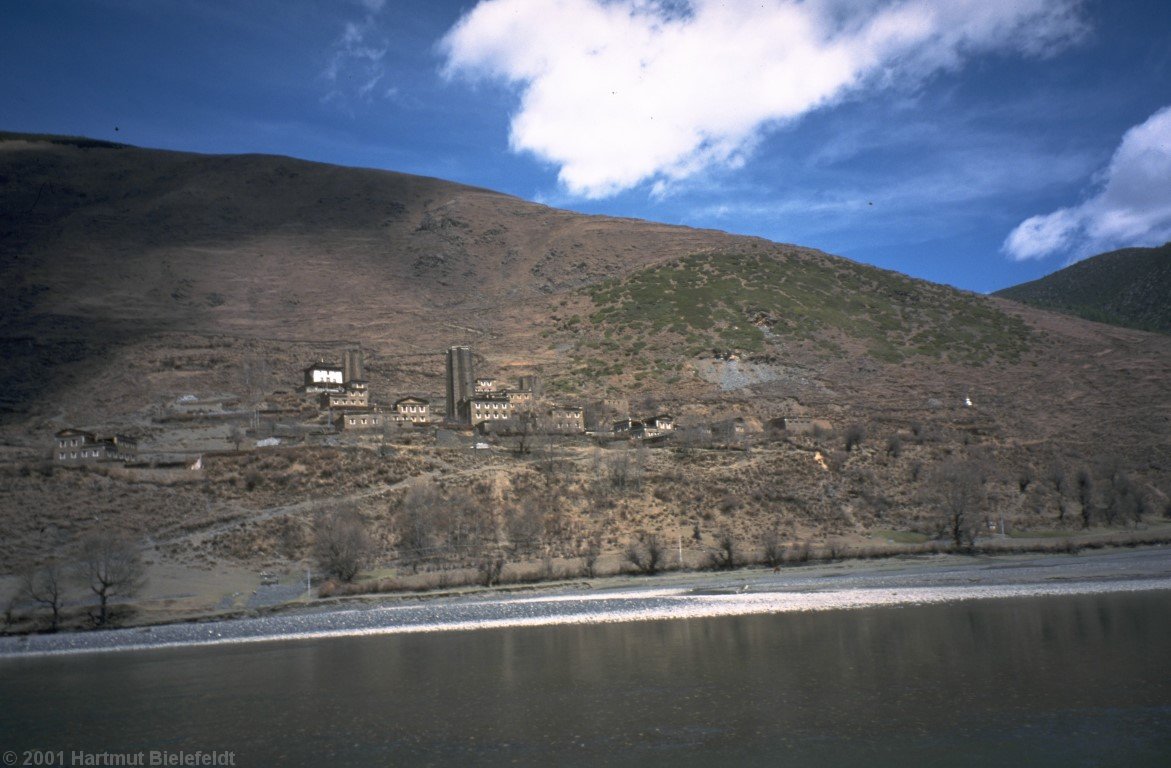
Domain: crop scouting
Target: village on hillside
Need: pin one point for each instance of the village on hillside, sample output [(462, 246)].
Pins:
[(333, 404)]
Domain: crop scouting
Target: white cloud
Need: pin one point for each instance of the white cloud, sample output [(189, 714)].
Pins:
[(621, 92), (355, 64), (1132, 207)]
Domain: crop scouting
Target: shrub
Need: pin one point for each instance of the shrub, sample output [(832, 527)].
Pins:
[(855, 434)]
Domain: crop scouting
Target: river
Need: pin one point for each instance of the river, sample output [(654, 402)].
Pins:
[(1066, 680)]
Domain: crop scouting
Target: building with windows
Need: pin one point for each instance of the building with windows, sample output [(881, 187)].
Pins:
[(412, 410), (360, 421), (324, 377), (76, 445), (564, 420), (489, 406)]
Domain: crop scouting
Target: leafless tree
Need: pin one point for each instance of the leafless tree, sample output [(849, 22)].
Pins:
[(774, 551), (724, 555), (1085, 495), (525, 432), (958, 490), (112, 566), (525, 525), (416, 523), (1057, 476), (645, 554), (255, 377), (45, 585), (341, 543), (894, 446), (465, 522), (236, 436), (642, 461), (490, 566), (1122, 499), (618, 468), (591, 553)]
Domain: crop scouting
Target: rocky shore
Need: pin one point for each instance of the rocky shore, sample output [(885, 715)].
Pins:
[(853, 584)]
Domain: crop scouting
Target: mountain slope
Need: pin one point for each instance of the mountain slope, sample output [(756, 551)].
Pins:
[(131, 276), (132, 280), (1127, 287)]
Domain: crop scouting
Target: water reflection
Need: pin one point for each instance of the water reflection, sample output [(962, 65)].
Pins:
[(1080, 680)]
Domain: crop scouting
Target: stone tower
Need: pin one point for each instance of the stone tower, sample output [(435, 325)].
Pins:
[(461, 380)]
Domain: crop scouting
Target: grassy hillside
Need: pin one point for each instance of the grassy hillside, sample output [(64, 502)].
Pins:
[(775, 304), (1127, 287)]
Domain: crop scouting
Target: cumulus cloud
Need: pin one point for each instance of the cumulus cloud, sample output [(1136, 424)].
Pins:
[(1131, 207), (621, 92)]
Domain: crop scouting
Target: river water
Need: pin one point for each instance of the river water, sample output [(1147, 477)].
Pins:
[(1077, 680)]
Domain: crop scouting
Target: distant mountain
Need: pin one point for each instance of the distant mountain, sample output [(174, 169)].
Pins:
[(1130, 287)]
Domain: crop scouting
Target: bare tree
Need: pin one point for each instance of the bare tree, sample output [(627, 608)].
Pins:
[(255, 377), (490, 567), (591, 553), (618, 469), (112, 566), (645, 554), (1121, 496), (1085, 495), (774, 551), (236, 436), (45, 585), (724, 555), (465, 522), (958, 490), (416, 523), (525, 432), (642, 463), (1057, 476), (525, 524), (342, 543)]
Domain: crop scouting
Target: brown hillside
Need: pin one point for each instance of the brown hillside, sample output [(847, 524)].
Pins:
[(130, 277)]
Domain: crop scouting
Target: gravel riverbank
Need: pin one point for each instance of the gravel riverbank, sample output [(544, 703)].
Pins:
[(836, 586)]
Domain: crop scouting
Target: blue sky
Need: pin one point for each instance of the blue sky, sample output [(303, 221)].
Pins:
[(978, 143)]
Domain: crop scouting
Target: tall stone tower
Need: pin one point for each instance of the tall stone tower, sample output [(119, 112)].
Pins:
[(461, 381), (352, 365)]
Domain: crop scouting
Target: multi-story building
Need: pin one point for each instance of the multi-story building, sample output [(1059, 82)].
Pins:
[(488, 406), (412, 410), (564, 420), (521, 399), (349, 398), (359, 421), (78, 445)]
